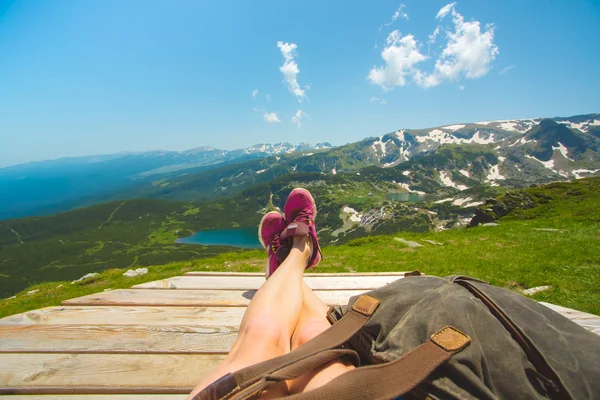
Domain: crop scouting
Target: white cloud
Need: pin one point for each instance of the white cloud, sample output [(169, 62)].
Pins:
[(297, 119), (401, 54), (397, 14), (254, 93), (506, 69), (290, 69), (434, 35), (469, 51), (271, 118), (375, 99), (461, 87), (445, 10)]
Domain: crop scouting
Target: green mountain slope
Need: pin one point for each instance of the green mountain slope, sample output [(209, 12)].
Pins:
[(552, 241)]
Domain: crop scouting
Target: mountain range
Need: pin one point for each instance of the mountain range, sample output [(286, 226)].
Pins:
[(450, 161), (46, 187), (127, 210)]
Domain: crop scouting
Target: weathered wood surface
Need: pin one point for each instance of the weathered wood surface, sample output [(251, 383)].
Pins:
[(186, 297), (145, 341), (588, 321), (103, 373), (78, 315), (116, 339), (254, 282)]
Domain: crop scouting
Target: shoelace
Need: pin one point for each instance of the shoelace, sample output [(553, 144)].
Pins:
[(275, 244), (305, 217)]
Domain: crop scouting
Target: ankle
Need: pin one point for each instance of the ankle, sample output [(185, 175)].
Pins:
[(304, 245)]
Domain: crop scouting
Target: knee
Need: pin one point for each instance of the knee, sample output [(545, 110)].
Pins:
[(309, 330), (265, 332)]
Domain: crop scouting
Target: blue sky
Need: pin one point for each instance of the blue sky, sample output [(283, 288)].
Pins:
[(95, 77)]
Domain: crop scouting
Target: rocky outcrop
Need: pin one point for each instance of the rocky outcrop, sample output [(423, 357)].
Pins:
[(494, 209)]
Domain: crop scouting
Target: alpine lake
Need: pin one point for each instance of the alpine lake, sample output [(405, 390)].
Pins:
[(235, 237), (248, 237)]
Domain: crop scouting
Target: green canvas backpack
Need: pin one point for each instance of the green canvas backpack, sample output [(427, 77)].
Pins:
[(427, 337)]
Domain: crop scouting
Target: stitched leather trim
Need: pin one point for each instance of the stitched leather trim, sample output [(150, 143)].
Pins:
[(365, 305), (450, 339)]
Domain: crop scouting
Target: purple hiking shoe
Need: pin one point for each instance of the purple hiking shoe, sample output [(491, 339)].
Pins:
[(269, 230), (300, 212)]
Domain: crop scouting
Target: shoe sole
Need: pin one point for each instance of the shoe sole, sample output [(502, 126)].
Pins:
[(307, 193), (262, 220)]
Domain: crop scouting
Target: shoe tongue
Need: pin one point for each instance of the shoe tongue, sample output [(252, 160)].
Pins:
[(295, 229)]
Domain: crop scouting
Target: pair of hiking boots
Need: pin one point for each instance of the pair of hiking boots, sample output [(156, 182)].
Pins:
[(276, 232)]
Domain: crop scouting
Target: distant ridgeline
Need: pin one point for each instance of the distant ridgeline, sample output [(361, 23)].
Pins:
[(447, 159)]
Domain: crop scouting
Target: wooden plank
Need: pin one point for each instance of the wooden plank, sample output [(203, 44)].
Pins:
[(88, 315), (215, 273), (97, 397), (183, 297), (254, 282), (590, 322), (103, 373), (116, 339)]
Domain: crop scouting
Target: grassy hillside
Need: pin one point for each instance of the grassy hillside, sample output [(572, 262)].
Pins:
[(66, 246), (555, 241)]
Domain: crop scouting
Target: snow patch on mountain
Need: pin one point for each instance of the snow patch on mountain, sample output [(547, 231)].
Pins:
[(447, 181), (510, 126), (547, 164), (453, 127), (494, 175), (379, 143), (477, 138), (407, 187), (577, 173), (582, 126), (521, 142), (563, 150), (437, 135), (459, 202), (465, 173), (279, 148)]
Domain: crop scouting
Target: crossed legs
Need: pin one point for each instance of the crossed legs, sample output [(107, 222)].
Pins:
[(283, 314)]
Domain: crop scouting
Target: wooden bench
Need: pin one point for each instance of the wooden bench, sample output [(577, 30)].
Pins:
[(154, 341)]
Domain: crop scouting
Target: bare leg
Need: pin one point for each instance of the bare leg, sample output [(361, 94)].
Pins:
[(311, 323), (269, 321)]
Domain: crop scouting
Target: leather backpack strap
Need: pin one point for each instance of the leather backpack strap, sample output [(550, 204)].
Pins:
[(338, 334), (293, 371), (395, 378)]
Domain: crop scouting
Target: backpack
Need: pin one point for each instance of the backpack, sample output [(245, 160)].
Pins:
[(428, 337)]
